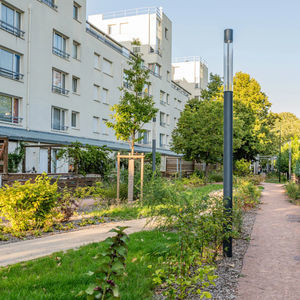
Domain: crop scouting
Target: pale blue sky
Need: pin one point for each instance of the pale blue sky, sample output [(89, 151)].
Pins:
[(266, 38)]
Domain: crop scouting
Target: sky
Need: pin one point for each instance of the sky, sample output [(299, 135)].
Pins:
[(266, 39)]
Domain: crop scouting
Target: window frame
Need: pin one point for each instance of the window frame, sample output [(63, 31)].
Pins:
[(62, 119)]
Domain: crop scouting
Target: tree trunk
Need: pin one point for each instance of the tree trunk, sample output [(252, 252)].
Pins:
[(131, 174)]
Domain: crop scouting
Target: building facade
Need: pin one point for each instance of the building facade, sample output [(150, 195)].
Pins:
[(59, 76), (190, 72)]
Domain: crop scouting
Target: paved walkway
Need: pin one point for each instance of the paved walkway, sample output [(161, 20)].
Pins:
[(31, 249), (271, 267)]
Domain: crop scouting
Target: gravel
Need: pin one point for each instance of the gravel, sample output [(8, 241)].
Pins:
[(229, 269)]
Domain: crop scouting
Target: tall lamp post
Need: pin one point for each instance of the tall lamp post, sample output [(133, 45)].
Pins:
[(228, 134), (153, 144)]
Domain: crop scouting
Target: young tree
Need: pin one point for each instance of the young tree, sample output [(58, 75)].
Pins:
[(135, 109)]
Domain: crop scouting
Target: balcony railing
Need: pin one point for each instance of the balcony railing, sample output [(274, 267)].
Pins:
[(132, 12), (163, 124), (60, 127), (156, 51), (59, 90), (163, 102), (102, 37), (11, 74), (11, 29), (49, 3), (60, 53), (152, 72), (10, 119)]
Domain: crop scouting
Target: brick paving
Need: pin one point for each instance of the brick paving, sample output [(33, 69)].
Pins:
[(271, 268)]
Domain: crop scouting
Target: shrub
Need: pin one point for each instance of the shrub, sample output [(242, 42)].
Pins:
[(193, 181), (242, 167), (297, 168), (31, 205), (255, 179), (293, 190), (215, 177), (246, 195)]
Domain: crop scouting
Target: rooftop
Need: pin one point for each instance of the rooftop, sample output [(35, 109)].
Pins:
[(188, 59), (133, 12)]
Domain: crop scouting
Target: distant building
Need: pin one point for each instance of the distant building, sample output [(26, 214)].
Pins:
[(190, 72)]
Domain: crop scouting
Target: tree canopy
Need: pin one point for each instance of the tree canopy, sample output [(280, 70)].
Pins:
[(199, 131)]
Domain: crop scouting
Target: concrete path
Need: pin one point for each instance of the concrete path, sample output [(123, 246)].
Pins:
[(271, 267), (31, 249)]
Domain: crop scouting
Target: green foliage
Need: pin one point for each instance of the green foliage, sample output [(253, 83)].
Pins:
[(293, 190), (193, 135), (31, 205), (242, 167), (193, 181), (297, 167), (14, 159), (87, 159), (246, 195), (215, 176), (135, 108), (111, 269), (213, 88), (288, 124)]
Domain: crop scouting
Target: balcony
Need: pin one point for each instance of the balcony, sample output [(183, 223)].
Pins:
[(163, 102), (163, 124), (11, 74), (10, 119), (11, 29), (155, 51), (59, 90), (50, 3), (152, 72), (60, 53)]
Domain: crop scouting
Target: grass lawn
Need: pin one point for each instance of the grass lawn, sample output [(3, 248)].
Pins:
[(63, 275), (129, 212)]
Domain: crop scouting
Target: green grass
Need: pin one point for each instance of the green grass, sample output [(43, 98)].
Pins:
[(63, 275), (129, 212)]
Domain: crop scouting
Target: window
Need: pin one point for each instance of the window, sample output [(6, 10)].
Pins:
[(9, 109), (97, 61), (10, 65), (166, 33), (96, 92), (107, 66), (59, 82), (168, 75), (168, 99), (75, 50), (162, 119), (11, 21), (155, 68), (59, 119), (125, 81), (161, 140), (162, 97), (75, 119), (167, 140), (112, 29), (75, 85), (168, 119), (95, 124), (175, 121), (50, 3), (76, 8), (104, 126), (145, 137), (59, 45), (105, 96)]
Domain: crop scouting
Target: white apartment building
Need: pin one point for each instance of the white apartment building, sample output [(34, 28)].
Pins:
[(190, 72), (59, 76)]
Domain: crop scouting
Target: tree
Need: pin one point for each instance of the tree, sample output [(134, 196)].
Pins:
[(288, 124), (86, 159), (135, 109), (213, 88), (199, 132), (198, 135)]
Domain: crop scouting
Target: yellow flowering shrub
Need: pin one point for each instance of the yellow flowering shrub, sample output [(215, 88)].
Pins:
[(31, 205)]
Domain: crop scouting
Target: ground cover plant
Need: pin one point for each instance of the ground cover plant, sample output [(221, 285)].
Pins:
[(293, 191)]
